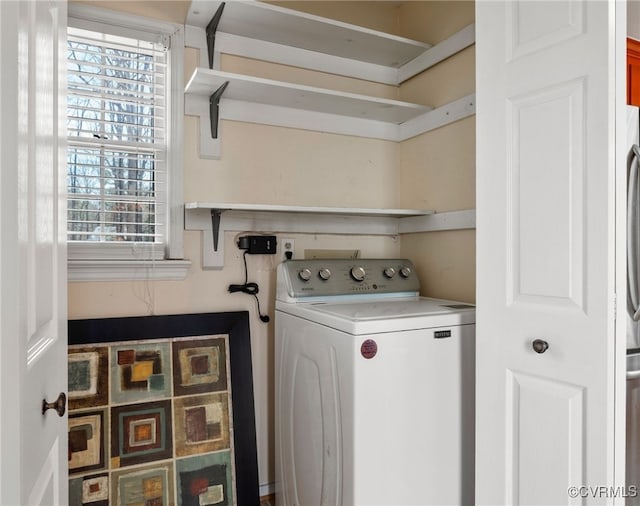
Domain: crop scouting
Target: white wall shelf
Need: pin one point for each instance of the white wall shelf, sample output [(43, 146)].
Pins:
[(256, 100), (296, 96), (213, 219), (280, 35)]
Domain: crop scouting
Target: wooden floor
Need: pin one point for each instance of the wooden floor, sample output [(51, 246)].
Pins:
[(268, 500)]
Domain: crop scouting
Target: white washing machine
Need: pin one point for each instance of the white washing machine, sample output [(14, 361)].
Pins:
[(374, 388)]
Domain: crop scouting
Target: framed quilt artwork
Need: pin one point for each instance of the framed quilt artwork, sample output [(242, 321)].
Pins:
[(161, 411)]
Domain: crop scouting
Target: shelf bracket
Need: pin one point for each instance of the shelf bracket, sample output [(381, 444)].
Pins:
[(211, 29), (215, 227), (214, 108)]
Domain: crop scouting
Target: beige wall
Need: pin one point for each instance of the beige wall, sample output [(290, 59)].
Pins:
[(437, 169), (264, 164)]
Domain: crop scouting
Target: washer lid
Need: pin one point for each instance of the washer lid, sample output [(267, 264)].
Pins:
[(381, 315), (391, 309)]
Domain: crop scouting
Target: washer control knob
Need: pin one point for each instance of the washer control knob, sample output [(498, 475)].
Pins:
[(324, 274), (389, 272), (358, 273), (405, 272), (304, 274)]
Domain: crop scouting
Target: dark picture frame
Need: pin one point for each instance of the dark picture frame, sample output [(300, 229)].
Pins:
[(236, 326)]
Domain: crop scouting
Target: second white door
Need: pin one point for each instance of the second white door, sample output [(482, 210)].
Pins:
[(547, 393)]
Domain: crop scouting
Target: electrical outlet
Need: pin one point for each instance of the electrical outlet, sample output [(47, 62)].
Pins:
[(288, 246)]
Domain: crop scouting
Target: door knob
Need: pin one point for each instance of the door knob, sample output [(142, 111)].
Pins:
[(540, 345), (60, 404)]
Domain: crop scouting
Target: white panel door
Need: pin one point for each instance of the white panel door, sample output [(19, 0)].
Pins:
[(33, 367), (547, 75)]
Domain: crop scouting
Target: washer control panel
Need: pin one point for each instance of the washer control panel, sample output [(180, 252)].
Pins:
[(326, 277)]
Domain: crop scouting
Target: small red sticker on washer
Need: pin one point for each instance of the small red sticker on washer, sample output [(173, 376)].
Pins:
[(369, 348)]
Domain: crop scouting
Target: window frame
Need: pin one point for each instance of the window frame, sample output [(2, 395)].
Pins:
[(124, 261)]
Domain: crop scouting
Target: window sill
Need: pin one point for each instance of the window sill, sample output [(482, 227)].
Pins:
[(127, 270)]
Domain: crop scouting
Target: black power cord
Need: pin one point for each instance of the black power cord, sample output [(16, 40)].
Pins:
[(249, 288)]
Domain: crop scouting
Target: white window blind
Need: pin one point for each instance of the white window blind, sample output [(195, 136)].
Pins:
[(117, 149)]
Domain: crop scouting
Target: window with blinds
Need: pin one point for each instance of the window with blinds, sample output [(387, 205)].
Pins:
[(116, 119)]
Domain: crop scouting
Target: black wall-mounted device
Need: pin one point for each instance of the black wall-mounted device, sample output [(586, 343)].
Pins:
[(258, 244)]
